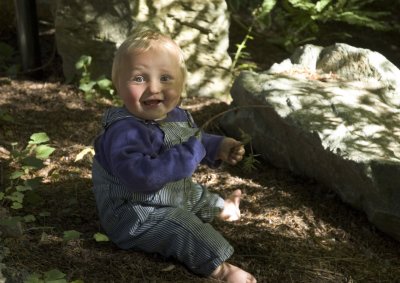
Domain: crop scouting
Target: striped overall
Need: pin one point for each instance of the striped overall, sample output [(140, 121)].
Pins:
[(172, 221)]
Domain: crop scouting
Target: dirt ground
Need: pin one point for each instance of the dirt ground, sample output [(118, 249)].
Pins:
[(291, 230)]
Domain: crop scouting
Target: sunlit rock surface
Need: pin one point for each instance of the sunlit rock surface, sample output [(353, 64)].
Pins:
[(332, 114), (97, 28)]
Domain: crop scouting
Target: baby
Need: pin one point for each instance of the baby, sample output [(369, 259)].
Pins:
[(146, 155)]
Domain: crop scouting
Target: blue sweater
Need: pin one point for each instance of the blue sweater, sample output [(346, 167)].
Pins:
[(131, 149)]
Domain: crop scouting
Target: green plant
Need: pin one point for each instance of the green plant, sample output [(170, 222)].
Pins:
[(71, 235), (51, 276), (102, 86), (240, 49), (4, 116), (99, 237), (290, 23), (6, 60), (27, 162), (306, 17), (250, 162)]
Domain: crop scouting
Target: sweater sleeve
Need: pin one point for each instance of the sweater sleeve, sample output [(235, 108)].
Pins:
[(211, 144), (131, 151)]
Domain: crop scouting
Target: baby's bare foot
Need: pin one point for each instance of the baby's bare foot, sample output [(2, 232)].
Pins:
[(231, 211), (232, 274)]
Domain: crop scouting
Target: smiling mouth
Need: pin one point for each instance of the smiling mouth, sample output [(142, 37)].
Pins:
[(152, 102)]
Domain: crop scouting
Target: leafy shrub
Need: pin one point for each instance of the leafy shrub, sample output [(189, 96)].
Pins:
[(102, 86), (27, 162), (7, 54), (4, 116), (290, 23), (51, 276)]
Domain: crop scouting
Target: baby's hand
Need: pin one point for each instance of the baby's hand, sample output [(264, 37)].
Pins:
[(231, 151)]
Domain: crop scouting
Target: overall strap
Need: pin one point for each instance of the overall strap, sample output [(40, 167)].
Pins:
[(111, 116), (190, 119), (115, 114)]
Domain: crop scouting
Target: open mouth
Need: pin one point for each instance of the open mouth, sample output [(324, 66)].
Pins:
[(152, 102)]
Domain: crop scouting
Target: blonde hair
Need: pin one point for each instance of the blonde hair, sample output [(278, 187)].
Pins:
[(143, 39)]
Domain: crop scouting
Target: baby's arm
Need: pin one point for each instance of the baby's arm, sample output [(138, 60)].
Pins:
[(211, 144), (132, 153), (221, 148)]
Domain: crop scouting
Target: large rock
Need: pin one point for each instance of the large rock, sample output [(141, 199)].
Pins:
[(331, 114), (97, 28), (91, 27)]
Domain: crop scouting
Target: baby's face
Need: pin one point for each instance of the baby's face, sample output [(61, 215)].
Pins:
[(150, 83)]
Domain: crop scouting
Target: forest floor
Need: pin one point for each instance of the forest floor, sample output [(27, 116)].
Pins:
[(291, 230)]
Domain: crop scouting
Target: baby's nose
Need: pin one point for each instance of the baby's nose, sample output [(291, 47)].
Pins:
[(154, 86)]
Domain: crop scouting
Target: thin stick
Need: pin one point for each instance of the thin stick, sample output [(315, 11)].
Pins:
[(205, 124)]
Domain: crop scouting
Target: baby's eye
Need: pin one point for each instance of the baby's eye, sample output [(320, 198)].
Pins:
[(138, 79), (165, 78)]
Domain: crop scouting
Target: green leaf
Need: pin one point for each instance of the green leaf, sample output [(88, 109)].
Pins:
[(250, 162), (104, 83), (15, 154), (89, 96), (320, 5), (16, 174), (264, 11), (16, 197), (1, 195), (5, 116), (267, 6), (44, 151), (111, 92), (86, 87), (71, 235), (29, 218), (53, 274), (34, 182), (99, 237), (38, 138), (32, 162), (305, 5), (10, 221), (33, 278), (16, 205), (23, 188), (361, 20), (84, 60)]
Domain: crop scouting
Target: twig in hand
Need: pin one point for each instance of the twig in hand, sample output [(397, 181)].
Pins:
[(250, 161), (206, 123)]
